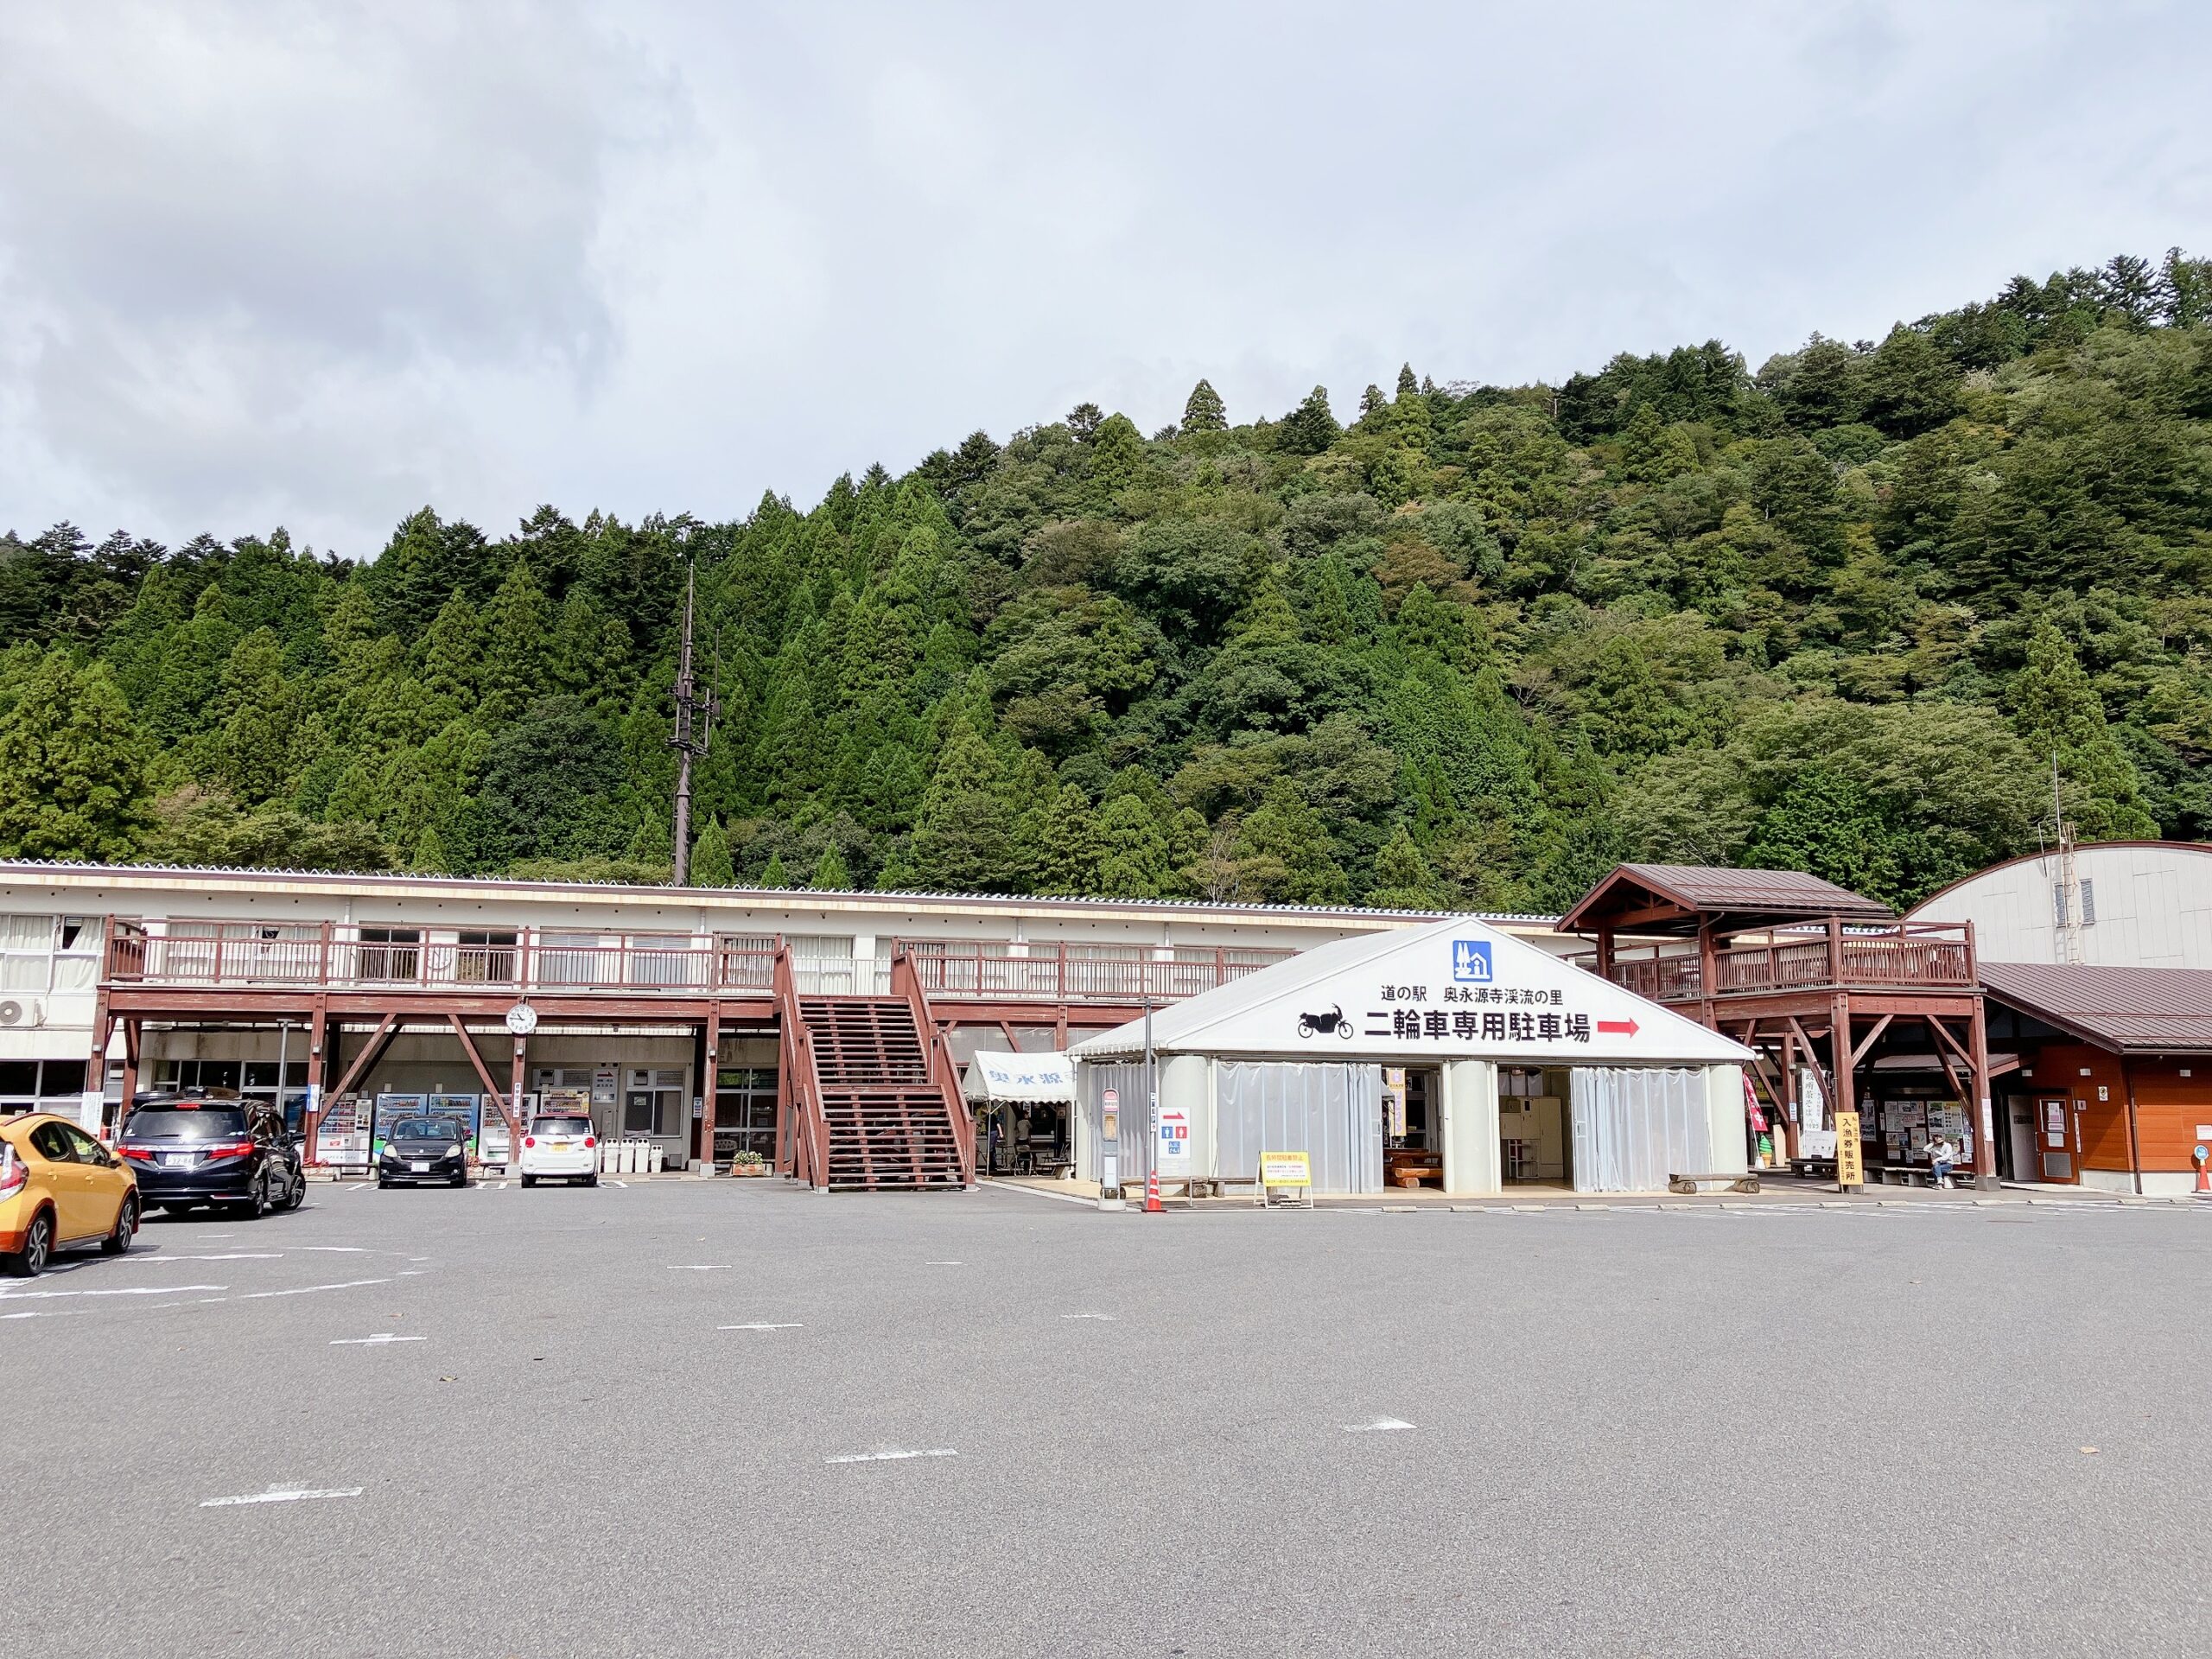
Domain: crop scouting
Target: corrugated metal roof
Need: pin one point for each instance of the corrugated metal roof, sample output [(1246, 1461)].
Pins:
[(1714, 889), (1708, 886), (801, 896), (2132, 1010)]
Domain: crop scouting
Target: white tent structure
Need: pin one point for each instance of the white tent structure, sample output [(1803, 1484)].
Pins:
[(1292, 1058)]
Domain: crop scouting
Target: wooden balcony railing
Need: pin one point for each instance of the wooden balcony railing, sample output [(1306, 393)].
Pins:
[(1063, 973), (370, 956), (1905, 956)]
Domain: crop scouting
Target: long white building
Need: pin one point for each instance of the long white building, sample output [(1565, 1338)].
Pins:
[(708, 1021)]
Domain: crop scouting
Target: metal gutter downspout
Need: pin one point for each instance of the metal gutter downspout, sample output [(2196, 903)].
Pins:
[(2134, 1145)]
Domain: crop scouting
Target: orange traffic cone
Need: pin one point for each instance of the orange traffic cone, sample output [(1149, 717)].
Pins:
[(2204, 1179), (1152, 1204)]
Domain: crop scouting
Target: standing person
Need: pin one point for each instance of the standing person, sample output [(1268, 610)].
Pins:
[(1942, 1153)]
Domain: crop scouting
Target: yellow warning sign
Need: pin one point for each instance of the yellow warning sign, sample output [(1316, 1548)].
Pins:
[(1286, 1169), (1850, 1157)]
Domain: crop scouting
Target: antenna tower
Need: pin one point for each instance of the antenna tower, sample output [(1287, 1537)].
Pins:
[(2070, 877), (695, 729)]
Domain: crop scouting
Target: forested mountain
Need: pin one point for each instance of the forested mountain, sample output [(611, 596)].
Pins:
[(1843, 614)]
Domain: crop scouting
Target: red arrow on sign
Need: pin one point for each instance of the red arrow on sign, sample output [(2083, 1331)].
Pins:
[(1627, 1027)]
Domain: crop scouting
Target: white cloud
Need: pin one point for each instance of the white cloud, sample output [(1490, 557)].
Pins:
[(265, 263)]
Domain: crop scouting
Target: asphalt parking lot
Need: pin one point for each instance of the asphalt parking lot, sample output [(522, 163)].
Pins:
[(719, 1418)]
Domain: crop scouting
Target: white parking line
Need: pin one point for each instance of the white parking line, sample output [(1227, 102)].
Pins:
[(1109, 1317), (338, 1250), (134, 1290), (1380, 1426), (280, 1495), (144, 1260), (945, 1264), (698, 1267), (303, 1290), (380, 1337), (358, 1187), (761, 1327), (893, 1455)]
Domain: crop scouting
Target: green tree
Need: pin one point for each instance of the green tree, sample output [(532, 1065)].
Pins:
[(1403, 879), (258, 740), (1070, 846), (830, 874), (1283, 853), (73, 779), (773, 877), (2057, 713), (711, 863), (1310, 429), (1202, 411), (963, 838), (1135, 860)]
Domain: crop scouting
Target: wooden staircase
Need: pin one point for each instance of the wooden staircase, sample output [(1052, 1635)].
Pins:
[(872, 1085)]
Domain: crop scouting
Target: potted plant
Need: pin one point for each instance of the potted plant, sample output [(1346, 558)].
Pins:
[(747, 1163)]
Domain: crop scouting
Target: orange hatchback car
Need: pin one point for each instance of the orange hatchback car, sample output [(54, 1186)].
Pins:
[(59, 1187)]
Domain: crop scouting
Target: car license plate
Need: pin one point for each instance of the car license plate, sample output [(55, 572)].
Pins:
[(560, 1146), (176, 1160), (419, 1169)]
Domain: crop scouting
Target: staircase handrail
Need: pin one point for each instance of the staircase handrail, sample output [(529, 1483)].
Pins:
[(906, 983), (812, 1120)]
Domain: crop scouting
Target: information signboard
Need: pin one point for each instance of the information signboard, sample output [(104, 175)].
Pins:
[(1171, 1156), (1850, 1157), (1286, 1169)]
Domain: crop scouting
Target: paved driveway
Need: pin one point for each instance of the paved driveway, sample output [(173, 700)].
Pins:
[(728, 1417)]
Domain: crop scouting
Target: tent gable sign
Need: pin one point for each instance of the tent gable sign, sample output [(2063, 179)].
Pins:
[(1461, 991)]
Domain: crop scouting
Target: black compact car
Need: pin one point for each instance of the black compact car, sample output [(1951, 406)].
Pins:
[(425, 1149), (189, 1150)]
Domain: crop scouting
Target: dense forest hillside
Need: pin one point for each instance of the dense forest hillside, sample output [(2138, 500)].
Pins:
[(1429, 644)]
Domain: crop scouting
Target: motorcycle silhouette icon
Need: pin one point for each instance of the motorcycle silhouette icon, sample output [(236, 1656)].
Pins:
[(1320, 1025)]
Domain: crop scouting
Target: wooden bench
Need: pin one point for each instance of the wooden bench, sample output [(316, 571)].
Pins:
[(1744, 1182), (1911, 1174), (1813, 1169)]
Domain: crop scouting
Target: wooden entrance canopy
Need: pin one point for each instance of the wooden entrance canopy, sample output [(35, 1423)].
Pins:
[(1801, 971)]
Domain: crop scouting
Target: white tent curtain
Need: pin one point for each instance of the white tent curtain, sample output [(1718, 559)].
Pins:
[(1332, 1113), (1636, 1125)]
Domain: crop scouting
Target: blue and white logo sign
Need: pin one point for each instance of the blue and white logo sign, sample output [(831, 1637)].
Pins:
[(1470, 961)]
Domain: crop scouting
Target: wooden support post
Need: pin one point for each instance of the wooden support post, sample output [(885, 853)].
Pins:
[(96, 1063), (1846, 1095), (1984, 1146), (318, 1034), (1605, 953), (130, 1032), (1708, 971), (707, 1085), (484, 1076)]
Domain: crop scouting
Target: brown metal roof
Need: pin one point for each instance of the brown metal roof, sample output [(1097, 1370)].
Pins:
[(1749, 896), (2127, 1010)]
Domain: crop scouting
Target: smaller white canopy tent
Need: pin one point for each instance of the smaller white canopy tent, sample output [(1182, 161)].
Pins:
[(1296, 1049), (1000, 1079)]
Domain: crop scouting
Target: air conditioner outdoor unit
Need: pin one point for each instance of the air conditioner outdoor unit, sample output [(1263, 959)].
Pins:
[(22, 1011)]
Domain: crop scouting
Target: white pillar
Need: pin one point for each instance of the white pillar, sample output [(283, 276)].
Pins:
[(1470, 1091), (1185, 1080), (1724, 1103)]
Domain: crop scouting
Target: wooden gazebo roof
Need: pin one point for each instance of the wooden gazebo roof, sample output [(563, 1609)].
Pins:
[(1681, 898)]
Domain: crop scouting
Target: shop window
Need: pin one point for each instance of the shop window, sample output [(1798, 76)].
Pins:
[(745, 1111), (486, 956), (389, 953), (26, 952), (18, 1085), (575, 959), (77, 952), (653, 1102)]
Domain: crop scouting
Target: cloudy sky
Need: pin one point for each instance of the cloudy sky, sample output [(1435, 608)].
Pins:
[(318, 265)]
